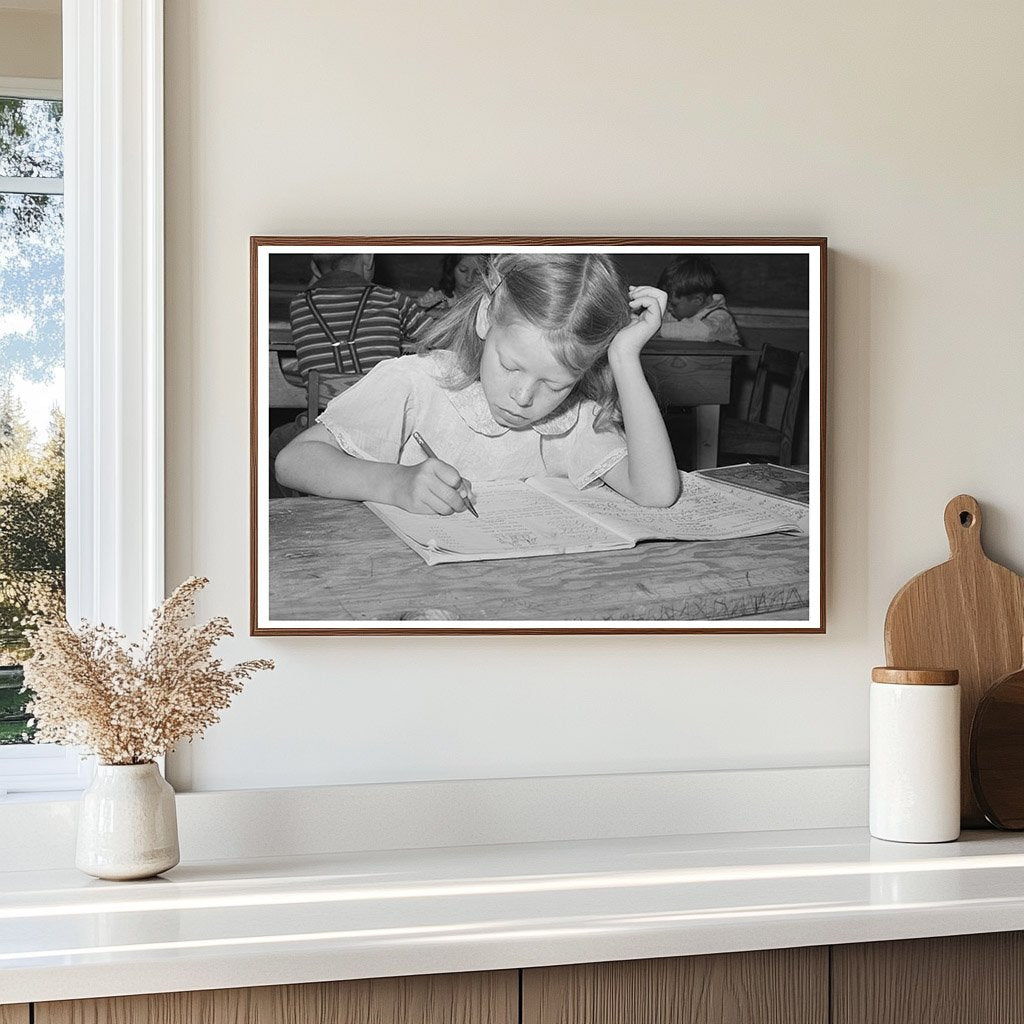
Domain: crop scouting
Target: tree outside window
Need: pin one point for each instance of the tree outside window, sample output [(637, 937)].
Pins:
[(32, 543)]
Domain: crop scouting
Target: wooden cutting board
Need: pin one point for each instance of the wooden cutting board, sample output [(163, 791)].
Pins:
[(967, 614)]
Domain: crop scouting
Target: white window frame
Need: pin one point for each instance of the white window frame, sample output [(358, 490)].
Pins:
[(32, 88), (35, 768), (114, 326)]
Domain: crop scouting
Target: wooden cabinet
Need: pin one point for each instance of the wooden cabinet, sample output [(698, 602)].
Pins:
[(961, 979), (966, 979), (482, 998), (776, 986)]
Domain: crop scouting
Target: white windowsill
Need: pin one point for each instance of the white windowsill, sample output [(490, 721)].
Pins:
[(42, 771), (48, 797)]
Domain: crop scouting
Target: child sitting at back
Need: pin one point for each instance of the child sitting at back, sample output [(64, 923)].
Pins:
[(696, 307)]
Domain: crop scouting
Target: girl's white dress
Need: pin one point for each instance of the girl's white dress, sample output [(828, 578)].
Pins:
[(375, 418)]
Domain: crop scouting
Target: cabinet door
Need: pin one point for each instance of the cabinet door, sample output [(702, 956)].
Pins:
[(483, 998), (777, 986), (14, 1014), (960, 979)]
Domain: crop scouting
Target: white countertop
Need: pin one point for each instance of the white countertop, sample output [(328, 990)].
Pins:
[(356, 915)]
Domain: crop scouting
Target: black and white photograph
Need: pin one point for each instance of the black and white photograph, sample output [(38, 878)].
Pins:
[(547, 435)]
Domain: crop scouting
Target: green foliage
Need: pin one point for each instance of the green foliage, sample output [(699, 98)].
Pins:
[(31, 525), (14, 727)]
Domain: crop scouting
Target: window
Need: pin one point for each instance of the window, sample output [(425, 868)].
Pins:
[(32, 545), (32, 534), (113, 330)]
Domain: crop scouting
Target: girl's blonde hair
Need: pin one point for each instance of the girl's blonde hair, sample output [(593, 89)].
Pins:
[(577, 300)]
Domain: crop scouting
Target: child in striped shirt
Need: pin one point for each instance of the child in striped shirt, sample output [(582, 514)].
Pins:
[(388, 322)]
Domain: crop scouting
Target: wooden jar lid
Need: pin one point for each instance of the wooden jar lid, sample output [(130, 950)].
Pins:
[(916, 676)]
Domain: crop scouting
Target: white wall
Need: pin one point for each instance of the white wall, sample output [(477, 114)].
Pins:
[(895, 129), (30, 41)]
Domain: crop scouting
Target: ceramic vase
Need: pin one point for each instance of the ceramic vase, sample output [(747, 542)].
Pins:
[(127, 825)]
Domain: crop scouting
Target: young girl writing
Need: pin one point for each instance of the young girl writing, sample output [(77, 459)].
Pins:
[(534, 372)]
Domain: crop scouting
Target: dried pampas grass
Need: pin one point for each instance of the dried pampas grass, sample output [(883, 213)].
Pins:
[(130, 703)]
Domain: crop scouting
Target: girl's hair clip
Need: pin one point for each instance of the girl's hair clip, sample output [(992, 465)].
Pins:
[(491, 274)]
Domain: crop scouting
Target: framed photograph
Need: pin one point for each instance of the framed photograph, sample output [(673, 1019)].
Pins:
[(537, 435)]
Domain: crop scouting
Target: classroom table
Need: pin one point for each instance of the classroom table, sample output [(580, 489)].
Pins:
[(684, 374), (335, 560), (697, 375)]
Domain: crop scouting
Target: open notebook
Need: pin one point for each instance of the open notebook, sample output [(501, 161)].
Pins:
[(549, 516)]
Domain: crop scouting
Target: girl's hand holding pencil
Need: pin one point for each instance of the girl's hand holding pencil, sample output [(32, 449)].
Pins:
[(433, 486)]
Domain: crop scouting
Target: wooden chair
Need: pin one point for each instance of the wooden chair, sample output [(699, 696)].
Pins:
[(322, 387), (752, 437)]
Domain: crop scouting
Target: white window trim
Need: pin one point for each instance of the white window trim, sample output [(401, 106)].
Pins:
[(32, 88), (114, 324), (113, 169), (43, 768)]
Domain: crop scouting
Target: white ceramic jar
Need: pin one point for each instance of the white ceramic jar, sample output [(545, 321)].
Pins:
[(915, 755), (127, 823)]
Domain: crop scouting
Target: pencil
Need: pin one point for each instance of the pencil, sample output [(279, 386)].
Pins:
[(429, 452)]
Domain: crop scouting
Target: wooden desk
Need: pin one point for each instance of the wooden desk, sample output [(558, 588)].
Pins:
[(695, 374), (335, 560), (280, 337)]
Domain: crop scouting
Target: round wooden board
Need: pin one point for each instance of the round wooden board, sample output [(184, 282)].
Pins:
[(997, 752)]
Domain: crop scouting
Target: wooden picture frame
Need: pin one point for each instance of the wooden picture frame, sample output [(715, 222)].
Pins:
[(326, 566)]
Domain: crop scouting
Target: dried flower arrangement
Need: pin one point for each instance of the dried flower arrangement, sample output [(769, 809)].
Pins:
[(129, 704)]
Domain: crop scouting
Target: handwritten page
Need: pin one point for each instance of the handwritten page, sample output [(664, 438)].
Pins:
[(770, 505), (702, 512), (516, 521), (548, 516)]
